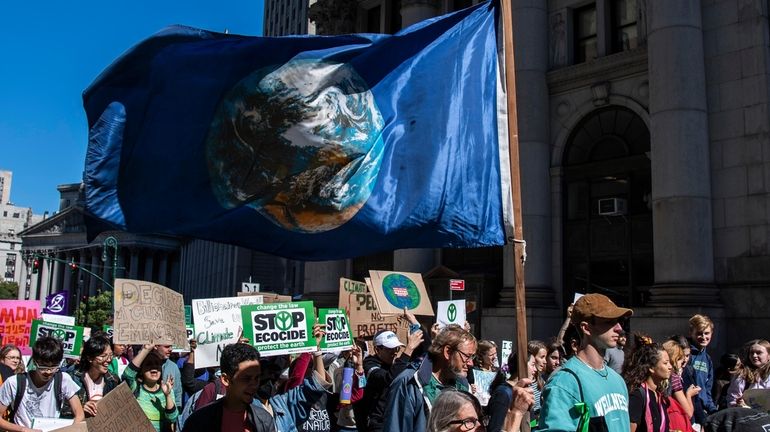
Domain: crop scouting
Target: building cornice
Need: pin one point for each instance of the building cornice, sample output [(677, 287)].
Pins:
[(611, 67)]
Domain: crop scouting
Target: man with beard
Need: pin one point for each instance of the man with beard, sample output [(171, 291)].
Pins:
[(380, 369), (450, 358)]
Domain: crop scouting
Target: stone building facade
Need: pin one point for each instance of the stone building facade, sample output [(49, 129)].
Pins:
[(645, 149), (13, 220)]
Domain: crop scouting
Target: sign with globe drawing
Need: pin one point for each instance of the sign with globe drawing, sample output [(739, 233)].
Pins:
[(395, 291)]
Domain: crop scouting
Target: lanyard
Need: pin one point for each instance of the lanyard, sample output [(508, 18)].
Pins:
[(648, 414)]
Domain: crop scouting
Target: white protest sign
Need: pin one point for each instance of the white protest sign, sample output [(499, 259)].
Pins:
[(483, 380), (59, 319), (451, 312), (218, 323), (577, 297), (249, 287), (506, 352)]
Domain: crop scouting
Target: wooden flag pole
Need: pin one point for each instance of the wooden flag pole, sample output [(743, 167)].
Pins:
[(513, 151)]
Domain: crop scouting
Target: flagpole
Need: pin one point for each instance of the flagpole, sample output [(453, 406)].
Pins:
[(513, 155)]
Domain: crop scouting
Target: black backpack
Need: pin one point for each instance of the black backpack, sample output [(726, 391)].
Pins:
[(21, 388)]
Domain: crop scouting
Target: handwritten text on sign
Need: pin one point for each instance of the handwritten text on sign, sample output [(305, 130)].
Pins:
[(146, 312), (218, 323), (16, 318)]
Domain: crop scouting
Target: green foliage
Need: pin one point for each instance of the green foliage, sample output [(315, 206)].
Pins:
[(9, 290), (97, 312)]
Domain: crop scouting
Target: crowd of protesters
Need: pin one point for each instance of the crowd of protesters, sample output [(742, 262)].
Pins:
[(591, 377)]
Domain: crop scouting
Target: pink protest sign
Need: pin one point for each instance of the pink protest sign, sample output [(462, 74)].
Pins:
[(16, 321)]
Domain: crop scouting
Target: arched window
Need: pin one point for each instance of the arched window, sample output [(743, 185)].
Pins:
[(607, 208)]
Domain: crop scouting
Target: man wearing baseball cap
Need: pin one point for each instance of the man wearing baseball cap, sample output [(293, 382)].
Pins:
[(585, 389), (390, 359)]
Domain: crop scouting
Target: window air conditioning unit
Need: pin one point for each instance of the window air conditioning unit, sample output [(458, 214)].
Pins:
[(612, 207)]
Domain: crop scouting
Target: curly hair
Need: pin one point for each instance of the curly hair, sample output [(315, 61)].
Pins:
[(645, 355), (748, 371)]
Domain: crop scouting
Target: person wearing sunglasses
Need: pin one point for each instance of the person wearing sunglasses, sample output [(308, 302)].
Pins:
[(44, 390), (92, 375), (413, 393)]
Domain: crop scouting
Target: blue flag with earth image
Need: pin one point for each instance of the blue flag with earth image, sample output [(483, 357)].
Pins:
[(307, 147)]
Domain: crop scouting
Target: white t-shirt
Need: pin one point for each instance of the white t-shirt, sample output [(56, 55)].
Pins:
[(37, 402)]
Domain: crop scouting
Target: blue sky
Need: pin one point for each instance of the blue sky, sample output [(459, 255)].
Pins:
[(51, 51)]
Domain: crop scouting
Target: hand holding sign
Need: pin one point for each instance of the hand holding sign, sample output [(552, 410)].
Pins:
[(319, 333)]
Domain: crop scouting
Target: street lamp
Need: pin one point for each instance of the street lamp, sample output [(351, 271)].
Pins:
[(113, 243)]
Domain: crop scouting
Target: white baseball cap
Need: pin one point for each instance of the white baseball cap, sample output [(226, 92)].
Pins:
[(388, 339)]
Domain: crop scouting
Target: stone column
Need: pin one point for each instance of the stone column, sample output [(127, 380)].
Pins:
[(681, 182), (67, 285), (163, 269), (92, 280), (530, 23), (414, 260), (414, 11), (149, 264), (45, 279), (322, 281), (57, 268), (134, 270)]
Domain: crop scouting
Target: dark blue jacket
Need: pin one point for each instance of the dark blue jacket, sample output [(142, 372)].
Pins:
[(703, 371)]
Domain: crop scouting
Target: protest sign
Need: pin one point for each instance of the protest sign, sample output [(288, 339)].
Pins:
[(117, 410), (109, 330), (188, 314), (71, 337), (267, 297), (451, 312), (186, 347), (759, 399), (218, 323), (506, 352), (16, 318), (57, 303), (146, 312), (349, 289), (75, 427), (51, 424), (279, 328), (395, 291), (365, 318), (338, 336), (61, 319), (483, 380)]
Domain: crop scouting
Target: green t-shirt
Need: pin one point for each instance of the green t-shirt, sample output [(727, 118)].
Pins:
[(433, 388), (604, 391)]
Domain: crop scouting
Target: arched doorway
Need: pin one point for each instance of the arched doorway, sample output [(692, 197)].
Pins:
[(607, 208)]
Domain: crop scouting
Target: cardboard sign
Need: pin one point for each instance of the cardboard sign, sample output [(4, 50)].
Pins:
[(117, 410), (146, 312), (279, 328), (456, 284), (348, 290), (338, 336), (186, 347), (506, 352), (16, 318), (483, 380), (759, 399), (71, 337), (218, 323), (395, 291), (451, 312), (365, 318)]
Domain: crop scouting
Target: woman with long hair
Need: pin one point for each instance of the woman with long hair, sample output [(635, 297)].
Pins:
[(486, 356), (754, 372), (502, 388), (92, 375), (676, 387), (646, 372), (553, 359), (10, 355)]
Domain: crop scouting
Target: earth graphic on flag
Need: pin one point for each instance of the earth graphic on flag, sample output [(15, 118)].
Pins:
[(400, 291), (301, 143)]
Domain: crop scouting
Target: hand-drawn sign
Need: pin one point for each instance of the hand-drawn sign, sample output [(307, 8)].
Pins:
[(395, 291)]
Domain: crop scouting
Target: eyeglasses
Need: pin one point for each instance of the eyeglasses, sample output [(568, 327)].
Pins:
[(467, 424), (466, 357), (13, 357), (48, 369), (104, 357)]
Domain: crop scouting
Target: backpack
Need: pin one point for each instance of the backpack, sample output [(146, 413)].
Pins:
[(678, 420), (189, 406), (21, 388)]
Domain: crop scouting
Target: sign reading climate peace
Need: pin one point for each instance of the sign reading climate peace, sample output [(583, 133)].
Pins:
[(71, 337), (279, 328), (338, 336)]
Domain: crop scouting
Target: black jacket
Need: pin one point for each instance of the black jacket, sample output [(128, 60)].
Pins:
[(369, 411), (209, 419)]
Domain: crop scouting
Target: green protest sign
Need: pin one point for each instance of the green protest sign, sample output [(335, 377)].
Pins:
[(71, 337), (188, 314), (279, 328), (338, 336)]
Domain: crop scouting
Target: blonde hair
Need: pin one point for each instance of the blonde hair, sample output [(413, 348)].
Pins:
[(700, 322), (675, 354)]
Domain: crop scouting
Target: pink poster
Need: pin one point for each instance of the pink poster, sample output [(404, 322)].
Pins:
[(16, 320)]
